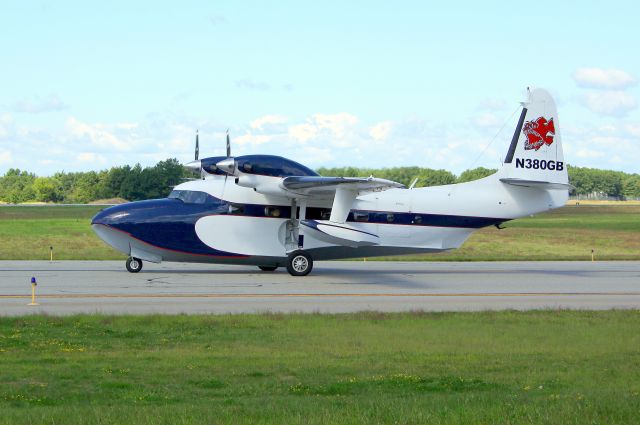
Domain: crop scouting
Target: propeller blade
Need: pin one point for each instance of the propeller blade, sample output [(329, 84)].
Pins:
[(197, 146), (228, 145)]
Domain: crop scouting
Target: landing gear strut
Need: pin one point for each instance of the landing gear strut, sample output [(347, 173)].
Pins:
[(134, 265), (299, 263)]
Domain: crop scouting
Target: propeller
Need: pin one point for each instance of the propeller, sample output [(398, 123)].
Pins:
[(195, 165), (197, 146), (228, 165)]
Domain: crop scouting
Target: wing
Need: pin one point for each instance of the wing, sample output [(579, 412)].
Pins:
[(343, 190), (322, 186)]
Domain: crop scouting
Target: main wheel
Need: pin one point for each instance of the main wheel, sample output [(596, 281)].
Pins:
[(299, 263), (134, 265), (268, 268)]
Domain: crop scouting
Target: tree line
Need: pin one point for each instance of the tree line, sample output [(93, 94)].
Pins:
[(137, 183), (126, 182), (587, 181)]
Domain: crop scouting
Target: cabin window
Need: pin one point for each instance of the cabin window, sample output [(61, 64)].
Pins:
[(314, 213), (361, 216), (272, 212), (236, 209), (390, 218), (417, 219), (192, 197), (269, 165)]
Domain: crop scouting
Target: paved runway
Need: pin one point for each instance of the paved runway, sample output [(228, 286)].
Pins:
[(67, 287)]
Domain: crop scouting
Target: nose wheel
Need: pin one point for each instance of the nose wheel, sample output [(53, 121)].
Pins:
[(299, 263), (134, 265)]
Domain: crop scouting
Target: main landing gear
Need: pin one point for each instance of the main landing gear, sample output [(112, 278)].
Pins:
[(134, 265), (299, 263)]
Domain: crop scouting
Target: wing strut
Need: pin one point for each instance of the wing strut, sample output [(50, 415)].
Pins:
[(342, 202)]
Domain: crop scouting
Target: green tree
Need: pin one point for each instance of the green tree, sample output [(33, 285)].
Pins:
[(429, 177), (475, 174), (631, 186), (47, 189), (17, 186), (589, 181)]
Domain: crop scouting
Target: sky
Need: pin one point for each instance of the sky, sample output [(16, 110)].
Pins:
[(91, 85)]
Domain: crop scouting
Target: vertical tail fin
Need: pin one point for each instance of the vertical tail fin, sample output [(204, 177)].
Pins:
[(535, 155)]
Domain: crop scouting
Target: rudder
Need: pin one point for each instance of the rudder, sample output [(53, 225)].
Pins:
[(535, 154)]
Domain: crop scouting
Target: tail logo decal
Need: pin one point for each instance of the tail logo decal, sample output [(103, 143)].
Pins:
[(539, 132)]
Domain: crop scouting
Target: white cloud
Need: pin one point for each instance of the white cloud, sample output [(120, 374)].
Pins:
[(86, 157), (336, 129), (381, 130), (321, 139), (50, 104), (339, 124), (101, 135), (261, 122), (252, 139), (5, 157), (487, 119), (609, 102), (317, 157), (5, 121), (598, 78), (633, 129), (493, 104), (303, 132), (589, 153)]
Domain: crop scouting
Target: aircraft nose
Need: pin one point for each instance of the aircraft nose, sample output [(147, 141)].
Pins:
[(111, 215)]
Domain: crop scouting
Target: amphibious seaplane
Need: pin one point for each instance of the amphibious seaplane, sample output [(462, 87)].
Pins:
[(271, 212)]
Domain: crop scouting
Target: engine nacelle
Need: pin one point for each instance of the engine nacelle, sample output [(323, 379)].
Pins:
[(262, 184)]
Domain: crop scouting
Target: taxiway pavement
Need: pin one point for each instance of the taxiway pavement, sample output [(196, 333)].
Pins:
[(68, 287)]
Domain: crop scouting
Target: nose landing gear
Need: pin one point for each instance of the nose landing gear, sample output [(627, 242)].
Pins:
[(134, 265)]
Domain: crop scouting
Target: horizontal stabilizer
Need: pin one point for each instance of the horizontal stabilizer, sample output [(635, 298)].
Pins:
[(538, 184), (340, 234)]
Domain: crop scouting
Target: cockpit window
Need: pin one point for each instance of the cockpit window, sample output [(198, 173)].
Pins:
[(192, 197), (274, 166)]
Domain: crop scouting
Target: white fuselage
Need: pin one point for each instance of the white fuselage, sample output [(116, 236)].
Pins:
[(458, 208)]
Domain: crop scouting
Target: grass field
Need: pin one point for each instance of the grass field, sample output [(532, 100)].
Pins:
[(541, 367), (570, 233)]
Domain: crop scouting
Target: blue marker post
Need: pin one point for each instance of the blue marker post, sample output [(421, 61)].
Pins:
[(33, 291)]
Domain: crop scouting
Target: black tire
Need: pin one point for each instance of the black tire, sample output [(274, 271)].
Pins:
[(268, 268), (299, 263), (134, 265)]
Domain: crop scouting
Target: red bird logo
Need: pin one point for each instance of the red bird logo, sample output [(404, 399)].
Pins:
[(539, 132)]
